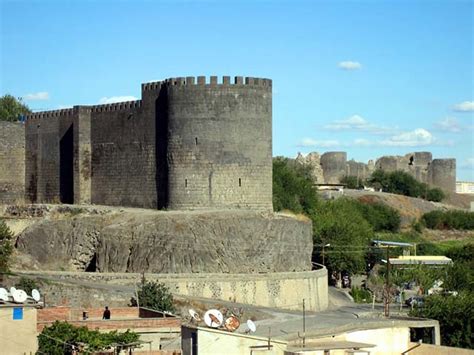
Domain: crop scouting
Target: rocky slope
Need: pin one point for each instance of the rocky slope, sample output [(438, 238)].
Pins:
[(109, 239)]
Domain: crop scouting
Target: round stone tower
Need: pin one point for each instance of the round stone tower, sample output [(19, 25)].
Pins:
[(219, 143), (443, 174), (334, 166)]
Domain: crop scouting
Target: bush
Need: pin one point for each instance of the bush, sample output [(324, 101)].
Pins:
[(435, 195), (454, 219), (6, 247), (361, 295), (154, 295), (26, 284), (381, 217)]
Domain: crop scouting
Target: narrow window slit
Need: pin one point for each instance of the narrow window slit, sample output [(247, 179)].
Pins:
[(185, 182), (240, 182), (196, 140)]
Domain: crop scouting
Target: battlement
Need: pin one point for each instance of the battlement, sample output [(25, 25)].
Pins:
[(208, 81), (53, 113), (117, 106)]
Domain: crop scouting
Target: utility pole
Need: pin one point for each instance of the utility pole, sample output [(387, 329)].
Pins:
[(304, 324), (387, 286)]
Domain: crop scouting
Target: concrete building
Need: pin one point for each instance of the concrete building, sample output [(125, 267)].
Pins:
[(326, 333), (18, 328), (465, 187)]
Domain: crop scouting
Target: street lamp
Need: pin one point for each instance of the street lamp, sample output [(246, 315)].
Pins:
[(325, 245)]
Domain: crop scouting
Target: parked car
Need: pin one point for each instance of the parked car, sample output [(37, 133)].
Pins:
[(417, 301)]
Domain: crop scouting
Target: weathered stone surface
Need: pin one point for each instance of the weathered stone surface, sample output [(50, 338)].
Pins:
[(134, 240)]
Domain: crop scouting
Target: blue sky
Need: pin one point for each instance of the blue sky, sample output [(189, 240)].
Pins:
[(368, 77)]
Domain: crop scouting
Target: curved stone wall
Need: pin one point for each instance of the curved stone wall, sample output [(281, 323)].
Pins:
[(443, 174), (334, 166), (219, 143)]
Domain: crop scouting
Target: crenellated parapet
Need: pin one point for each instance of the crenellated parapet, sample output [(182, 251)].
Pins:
[(117, 106), (208, 81), (48, 114)]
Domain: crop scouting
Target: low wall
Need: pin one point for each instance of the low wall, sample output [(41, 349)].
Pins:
[(282, 290)]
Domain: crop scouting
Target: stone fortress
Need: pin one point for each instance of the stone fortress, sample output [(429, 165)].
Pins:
[(196, 157), (187, 144), (331, 167)]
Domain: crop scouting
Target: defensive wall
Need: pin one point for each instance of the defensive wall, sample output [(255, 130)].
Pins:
[(330, 167), (12, 161), (281, 289), (189, 143)]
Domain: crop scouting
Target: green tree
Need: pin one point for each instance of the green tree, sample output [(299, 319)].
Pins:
[(154, 295), (455, 315), (6, 247), (292, 187), (11, 108), (340, 223), (63, 338), (26, 284), (435, 195)]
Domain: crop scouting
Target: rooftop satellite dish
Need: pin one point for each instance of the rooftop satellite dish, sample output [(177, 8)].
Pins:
[(35, 294), (4, 295), (213, 318), (194, 315), (19, 296), (232, 323), (251, 325)]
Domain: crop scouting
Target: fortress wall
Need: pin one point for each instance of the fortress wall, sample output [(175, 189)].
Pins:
[(334, 166), (12, 161), (220, 147), (123, 156), (46, 137), (443, 174)]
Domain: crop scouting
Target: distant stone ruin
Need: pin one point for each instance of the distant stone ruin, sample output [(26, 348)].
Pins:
[(331, 167)]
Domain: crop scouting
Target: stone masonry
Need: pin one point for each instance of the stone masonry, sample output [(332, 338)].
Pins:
[(187, 144)]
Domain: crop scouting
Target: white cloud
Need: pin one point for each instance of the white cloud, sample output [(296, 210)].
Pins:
[(468, 164), (350, 65), (359, 123), (309, 142), (39, 96), (113, 99), (362, 142), (417, 138), (449, 124), (466, 106)]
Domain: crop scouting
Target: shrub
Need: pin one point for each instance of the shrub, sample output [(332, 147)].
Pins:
[(435, 195), (26, 284), (6, 247), (154, 295), (361, 295), (380, 216), (453, 219)]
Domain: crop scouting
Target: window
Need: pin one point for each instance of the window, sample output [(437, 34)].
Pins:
[(196, 140), (185, 182), (240, 182)]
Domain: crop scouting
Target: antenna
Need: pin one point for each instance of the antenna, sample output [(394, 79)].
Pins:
[(232, 323), (194, 315), (36, 295), (4, 295), (251, 326), (213, 318), (19, 296)]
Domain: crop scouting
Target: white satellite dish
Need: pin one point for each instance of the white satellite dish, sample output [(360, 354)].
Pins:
[(213, 318), (194, 315), (251, 325), (4, 295), (19, 296), (35, 294)]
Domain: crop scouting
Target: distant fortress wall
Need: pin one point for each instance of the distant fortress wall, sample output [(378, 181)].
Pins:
[(189, 143), (330, 167), (12, 161)]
